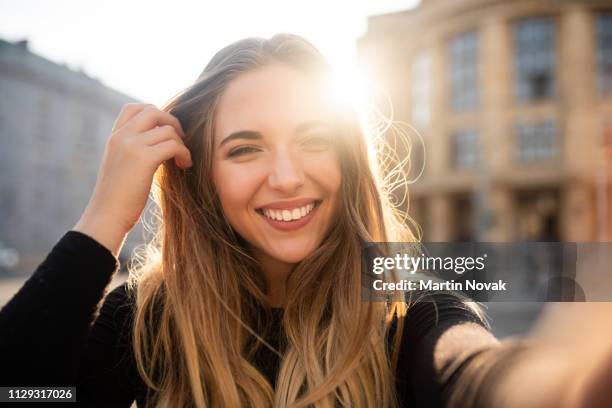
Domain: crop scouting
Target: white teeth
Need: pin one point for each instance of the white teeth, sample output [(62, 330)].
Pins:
[(288, 215)]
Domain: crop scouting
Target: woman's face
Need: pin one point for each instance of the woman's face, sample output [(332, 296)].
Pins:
[(275, 168)]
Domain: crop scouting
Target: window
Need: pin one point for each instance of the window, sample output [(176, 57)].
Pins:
[(536, 141), (534, 60), (604, 53), (421, 90), (463, 51), (84, 133), (465, 150)]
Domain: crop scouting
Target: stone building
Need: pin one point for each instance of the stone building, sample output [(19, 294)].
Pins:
[(513, 99), (54, 123)]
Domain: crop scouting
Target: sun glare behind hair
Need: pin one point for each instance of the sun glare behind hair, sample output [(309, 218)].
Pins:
[(390, 141), (351, 88)]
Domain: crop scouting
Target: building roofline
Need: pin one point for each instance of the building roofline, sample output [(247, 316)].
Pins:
[(21, 46), (394, 14)]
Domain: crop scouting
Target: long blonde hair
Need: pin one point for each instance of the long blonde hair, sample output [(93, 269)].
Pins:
[(198, 286)]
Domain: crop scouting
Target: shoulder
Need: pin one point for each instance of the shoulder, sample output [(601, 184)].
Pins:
[(117, 309), (431, 313), (121, 297), (432, 308), (439, 333)]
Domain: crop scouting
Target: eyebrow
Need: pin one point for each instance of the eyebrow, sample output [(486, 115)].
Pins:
[(243, 134), (254, 135), (312, 124)]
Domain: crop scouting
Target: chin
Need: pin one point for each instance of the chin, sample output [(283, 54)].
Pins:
[(292, 254), (291, 257)]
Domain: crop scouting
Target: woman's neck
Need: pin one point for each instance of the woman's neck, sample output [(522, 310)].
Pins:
[(276, 273)]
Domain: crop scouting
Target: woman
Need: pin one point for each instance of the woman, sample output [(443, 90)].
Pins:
[(254, 297)]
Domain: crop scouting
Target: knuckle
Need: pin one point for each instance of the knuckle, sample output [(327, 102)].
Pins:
[(114, 140), (128, 107), (177, 122), (149, 109), (167, 129), (128, 149), (128, 142), (172, 143)]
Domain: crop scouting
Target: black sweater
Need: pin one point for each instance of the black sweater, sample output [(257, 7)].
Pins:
[(47, 337)]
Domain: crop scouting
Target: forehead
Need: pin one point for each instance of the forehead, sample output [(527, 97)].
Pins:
[(276, 97)]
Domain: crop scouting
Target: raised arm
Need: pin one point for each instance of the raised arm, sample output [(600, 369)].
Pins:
[(440, 334), (44, 327), (457, 362)]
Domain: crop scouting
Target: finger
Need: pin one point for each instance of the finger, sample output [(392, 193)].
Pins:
[(169, 149), (128, 111), (150, 117), (161, 134)]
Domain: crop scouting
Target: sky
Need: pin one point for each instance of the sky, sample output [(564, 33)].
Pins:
[(150, 50)]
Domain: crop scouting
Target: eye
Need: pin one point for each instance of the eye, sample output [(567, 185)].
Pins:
[(242, 150), (317, 142)]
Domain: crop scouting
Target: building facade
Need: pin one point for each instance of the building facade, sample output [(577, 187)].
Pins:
[(54, 123), (513, 100)]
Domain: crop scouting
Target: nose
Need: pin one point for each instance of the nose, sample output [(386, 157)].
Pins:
[(286, 174)]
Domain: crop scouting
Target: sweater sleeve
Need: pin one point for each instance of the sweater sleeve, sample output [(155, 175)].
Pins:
[(420, 382), (44, 327), (107, 374)]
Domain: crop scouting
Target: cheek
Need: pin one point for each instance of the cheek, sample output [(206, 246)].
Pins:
[(326, 170), (235, 187)]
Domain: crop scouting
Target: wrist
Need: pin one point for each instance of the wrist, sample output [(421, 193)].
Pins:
[(107, 232)]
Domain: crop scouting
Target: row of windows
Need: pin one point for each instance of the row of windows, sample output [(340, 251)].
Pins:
[(534, 65), (533, 142), (464, 72), (465, 149), (534, 45), (536, 141), (604, 53)]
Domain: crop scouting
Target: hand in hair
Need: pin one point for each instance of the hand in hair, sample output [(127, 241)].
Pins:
[(142, 138)]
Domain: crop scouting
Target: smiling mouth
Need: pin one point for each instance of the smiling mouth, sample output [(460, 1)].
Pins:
[(288, 215)]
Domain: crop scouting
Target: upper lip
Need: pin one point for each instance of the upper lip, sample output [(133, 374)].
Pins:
[(289, 204)]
